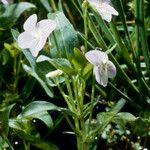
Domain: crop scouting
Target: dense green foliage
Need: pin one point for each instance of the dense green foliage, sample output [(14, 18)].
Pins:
[(70, 110)]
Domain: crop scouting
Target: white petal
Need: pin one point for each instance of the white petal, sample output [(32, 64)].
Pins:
[(94, 2), (37, 45), (30, 23), (105, 15), (95, 57), (55, 73), (101, 75), (4, 1), (46, 26), (106, 11), (25, 40), (104, 8), (111, 69), (110, 9), (96, 72)]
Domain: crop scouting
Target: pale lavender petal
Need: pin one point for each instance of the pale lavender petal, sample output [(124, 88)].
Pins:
[(95, 57), (106, 11), (104, 8), (105, 15), (110, 9), (30, 23), (4, 1), (25, 40), (94, 2), (111, 69), (37, 45), (100, 75), (46, 26)]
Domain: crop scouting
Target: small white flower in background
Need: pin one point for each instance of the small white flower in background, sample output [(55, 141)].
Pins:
[(103, 68), (4, 1), (104, 8), (54, 73), (35, 35)]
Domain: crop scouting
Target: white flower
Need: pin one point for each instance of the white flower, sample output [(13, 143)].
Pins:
[(103, 68), (35, 35), (4, 1), (104, 8), (54, 73)]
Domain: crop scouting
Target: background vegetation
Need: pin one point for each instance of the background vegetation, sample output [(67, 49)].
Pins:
[(28, 118)]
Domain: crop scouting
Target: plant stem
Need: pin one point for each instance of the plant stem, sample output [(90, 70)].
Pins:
[(72, 126), (85, 26), (53, 5), (65, 97), (56, 44), (68, 87), (26, 145), (74, 3), (92, 103), (144, 43)]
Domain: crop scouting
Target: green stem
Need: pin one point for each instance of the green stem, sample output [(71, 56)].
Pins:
[(92, 103), (79, 137), (65, 97), (26, 145), (53, 5), (75, 4), (56, 44), (85, 26), (141, 40), (69, 13), (84, 8), (16, 70), (123, 50), (7, 141), (68, 86), (138, 107), (119, 4), (144, 43), (76, 131)]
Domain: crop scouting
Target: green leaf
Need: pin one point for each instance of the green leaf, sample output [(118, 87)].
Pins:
[(59, 63), (12, 49), (37, 142), (15, 34), (43, 145), (10, 13), (78, 59), (4, 57), (62, 64), (22, 123), (118, 106), (46, 5), (19, 124), (47, 89), (36, 107), (28, 87), (87, 71), (45, 117), (123, 118), (127, 117), (64, 38), (55, 81), (4, 116), (104, 118), (3, 143)]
